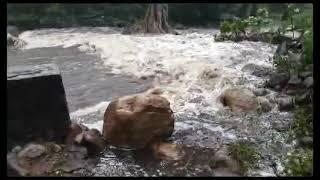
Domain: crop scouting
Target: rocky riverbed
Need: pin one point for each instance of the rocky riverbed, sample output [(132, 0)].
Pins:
[(192, 71)]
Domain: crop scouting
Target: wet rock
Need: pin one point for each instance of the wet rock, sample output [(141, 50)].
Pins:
[(260, 92), (155, 91), (81, 135), (219, 38), (271, 98), (13, 168), (223, 164), (13, 30), (240, 100), (58, 160), (281, 49), (137, 120), (292, 90), (32, 151), (14, 41), (294, 80), (265, 105), (73, 131), (305, 74), (208, 73), (257, 70), (285, 103), (308, 82), (224, 172), (10, 40), (278, 79), (262, 37), (168, 151), (45, 116), (16, 149), (92, 140)]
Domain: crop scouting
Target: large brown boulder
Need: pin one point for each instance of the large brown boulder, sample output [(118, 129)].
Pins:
[(137, 120), (240, 100)]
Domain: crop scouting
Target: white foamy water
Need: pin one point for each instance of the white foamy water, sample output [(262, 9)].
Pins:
[(178, 62), (101, 107)]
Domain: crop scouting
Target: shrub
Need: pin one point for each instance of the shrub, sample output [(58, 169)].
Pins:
[(302, 124), (245, 153), (299, 163)]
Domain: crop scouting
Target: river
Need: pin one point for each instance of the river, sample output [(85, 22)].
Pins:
[(99, 64)]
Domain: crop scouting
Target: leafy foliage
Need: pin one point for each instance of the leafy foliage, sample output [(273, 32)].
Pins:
[(290, 12), (303, 125), (245, 153), (252, 23), (308, 47), (282, 64), (299, 163)]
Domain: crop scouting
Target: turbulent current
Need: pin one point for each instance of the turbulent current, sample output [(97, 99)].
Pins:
[(192, 70)]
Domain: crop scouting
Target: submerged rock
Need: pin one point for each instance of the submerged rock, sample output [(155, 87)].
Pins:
[(208, 73), (240, 100), (137, 120)]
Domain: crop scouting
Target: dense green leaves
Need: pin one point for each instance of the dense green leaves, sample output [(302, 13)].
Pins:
[(302, 125), (299, 163), (246, 154), (251, 23)]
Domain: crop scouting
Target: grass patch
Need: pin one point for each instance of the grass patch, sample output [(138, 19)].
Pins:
[(299, 163), (246, 154)]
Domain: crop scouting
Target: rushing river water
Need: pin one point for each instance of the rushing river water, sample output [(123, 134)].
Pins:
[(99, 64)]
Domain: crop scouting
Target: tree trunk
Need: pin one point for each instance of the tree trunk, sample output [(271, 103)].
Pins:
[(156, 19)]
